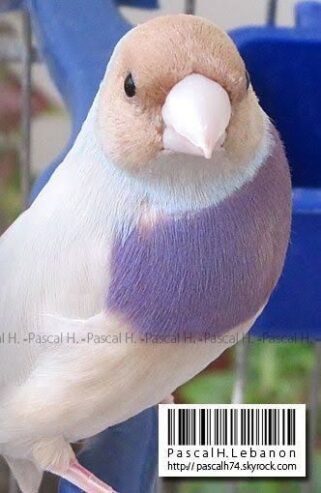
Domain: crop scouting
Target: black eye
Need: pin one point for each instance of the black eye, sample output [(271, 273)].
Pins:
[(129, 86), (248, 80)]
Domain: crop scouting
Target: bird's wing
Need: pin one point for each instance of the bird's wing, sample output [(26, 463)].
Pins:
[(50, 261), (69, 378), (26, 473), (16, 267)]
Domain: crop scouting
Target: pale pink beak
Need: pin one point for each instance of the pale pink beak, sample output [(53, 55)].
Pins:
[(196, 114)]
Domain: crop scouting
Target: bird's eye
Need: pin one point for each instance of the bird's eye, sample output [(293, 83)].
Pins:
[(129, 86), (248, 79)]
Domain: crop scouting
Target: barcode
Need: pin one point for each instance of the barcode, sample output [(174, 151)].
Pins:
[(232, 440), (245, 427)]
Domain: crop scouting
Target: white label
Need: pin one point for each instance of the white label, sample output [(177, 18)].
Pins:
[(232, 440)]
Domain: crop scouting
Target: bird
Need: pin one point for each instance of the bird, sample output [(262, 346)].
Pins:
[(155, 245)]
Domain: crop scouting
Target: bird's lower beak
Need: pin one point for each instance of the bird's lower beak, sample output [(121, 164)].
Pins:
[(196, 115)]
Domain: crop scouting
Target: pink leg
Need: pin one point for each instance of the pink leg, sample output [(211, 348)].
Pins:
[(84, 479)]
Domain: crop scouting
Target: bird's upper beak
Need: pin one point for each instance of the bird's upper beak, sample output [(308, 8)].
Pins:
[(196, 115)]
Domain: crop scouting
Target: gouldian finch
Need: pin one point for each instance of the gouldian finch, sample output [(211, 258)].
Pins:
[(156, 242)]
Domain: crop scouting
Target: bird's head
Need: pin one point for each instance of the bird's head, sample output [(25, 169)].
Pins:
[(177, 84)]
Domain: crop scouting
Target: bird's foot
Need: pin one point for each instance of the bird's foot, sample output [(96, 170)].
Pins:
[(56, 456), (84, 479)]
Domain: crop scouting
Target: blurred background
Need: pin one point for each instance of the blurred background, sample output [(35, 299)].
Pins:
[(278, 372)]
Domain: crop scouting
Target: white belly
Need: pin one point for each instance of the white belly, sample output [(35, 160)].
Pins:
[(146, 374), (78, 391)]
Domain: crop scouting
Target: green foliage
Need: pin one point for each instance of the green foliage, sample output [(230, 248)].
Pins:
[(277, 373), (209, 388), (10, 118)]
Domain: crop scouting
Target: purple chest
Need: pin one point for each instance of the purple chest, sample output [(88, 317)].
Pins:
[(210, 271)]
